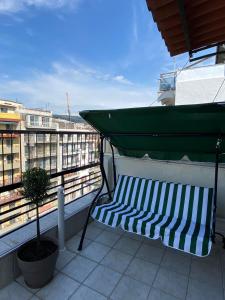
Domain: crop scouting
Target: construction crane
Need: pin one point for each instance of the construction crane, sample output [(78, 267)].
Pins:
[(68, 106)]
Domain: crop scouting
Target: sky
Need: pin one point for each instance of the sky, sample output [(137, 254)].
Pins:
[(103, 53)]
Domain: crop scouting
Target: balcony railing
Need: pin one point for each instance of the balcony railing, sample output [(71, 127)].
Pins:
[(167, 81), (40, 125), (78, 171)]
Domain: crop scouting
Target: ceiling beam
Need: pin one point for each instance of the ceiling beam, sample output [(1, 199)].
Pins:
[(184, 24)]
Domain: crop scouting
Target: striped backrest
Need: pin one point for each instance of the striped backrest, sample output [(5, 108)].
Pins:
[(175, 200)]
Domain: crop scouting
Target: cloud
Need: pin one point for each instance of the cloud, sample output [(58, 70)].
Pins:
[(14, 6), (88, 89), (122, 79)]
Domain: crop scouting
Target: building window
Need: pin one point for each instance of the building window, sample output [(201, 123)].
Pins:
[(3, 109), (9, 158), (46, 122), (83, 146), (13, 221), (26, 165), (8, 142), (40, 138), (41, 163), (53, 149), (69, 148), (8, 126), (12, 205), (9, 176), (26, 151), (34, 120)]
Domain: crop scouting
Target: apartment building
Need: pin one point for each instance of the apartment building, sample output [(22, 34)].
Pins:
[(76, 148), (53, 144), (193, 85), (40, 150), (9, 143), (10, 154)]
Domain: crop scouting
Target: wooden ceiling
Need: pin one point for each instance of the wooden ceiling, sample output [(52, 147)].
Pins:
[(187, 25)]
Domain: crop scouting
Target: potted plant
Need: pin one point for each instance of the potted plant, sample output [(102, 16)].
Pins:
[(37, 258)]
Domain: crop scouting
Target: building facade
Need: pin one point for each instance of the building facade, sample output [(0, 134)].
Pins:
[(9, 143), (55, 145), (193, 85)]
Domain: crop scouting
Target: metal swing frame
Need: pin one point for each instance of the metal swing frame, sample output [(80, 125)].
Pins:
[(105, 182)]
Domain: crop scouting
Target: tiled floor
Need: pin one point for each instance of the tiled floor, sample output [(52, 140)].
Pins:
[(118, 265)]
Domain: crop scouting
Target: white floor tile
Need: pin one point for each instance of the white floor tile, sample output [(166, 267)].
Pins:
[(108, 238), (95, 251), (116, 260), (171, 283), (142, 270), (203, 291), (14, 291), (73, 243), (79, 268), (127, 245), (130, 289), (63, 258), (156, 294), (60, 288), (151, 254), (85, 293), (103, 280)]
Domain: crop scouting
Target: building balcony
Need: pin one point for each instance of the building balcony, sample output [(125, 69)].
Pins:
[(41, 125), (9, 165), (118, 265), (9, 135), (7, 149), (167, 81), (10, 117)]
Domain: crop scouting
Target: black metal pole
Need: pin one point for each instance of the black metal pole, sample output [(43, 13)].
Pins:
[(113, 163), (97, 195), (103, 170), (215, 189)]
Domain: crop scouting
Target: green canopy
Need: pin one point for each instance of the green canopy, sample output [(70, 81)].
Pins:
[(167, 133)]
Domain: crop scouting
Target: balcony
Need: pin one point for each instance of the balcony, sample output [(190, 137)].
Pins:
[(38, 125), (6, 166), (7, 149), (10, 117), (167, 82), (115, 264), (119, 265), (51, 158)]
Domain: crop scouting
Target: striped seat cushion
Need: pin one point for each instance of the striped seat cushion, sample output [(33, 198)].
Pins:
[(181, 215)]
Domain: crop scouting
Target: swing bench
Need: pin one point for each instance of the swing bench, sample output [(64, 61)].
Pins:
[(182, 215)]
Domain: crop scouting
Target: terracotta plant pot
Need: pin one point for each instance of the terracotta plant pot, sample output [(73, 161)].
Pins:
[(37, 266)]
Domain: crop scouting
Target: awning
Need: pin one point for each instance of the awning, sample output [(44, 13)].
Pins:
[(166, 133), (189, 25)]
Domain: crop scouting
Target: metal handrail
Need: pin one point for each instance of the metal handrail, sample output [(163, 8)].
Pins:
[(64, 167)]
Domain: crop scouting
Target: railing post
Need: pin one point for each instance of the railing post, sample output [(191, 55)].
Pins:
[(61, 224)]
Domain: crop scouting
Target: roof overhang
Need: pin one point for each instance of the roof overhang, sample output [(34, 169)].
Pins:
[(189, 25)]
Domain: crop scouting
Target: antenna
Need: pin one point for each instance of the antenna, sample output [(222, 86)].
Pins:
[(174, 64), (68, 106)]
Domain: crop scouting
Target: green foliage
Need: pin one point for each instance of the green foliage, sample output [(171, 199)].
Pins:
[(35, 184)]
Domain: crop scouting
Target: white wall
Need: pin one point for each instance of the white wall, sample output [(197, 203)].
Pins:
[(200, 85), (199, 174)]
